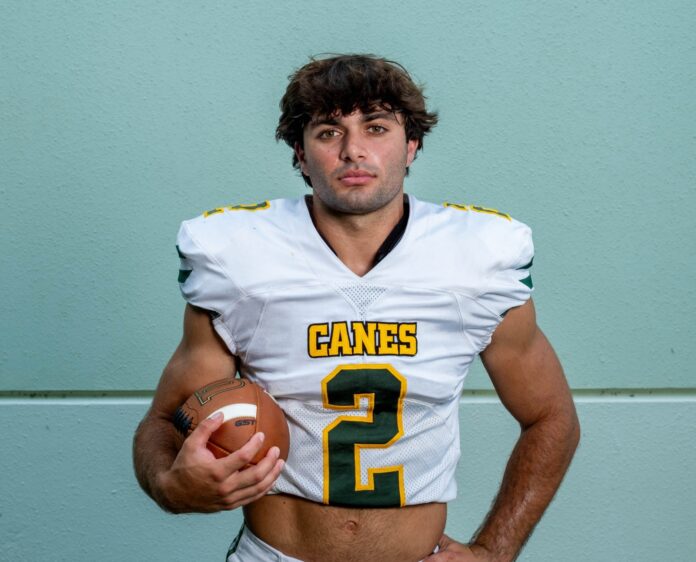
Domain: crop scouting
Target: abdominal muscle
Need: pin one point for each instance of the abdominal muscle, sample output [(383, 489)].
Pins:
[(315, 532)]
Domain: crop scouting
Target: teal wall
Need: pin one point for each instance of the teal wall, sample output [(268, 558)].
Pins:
[(120, 119)]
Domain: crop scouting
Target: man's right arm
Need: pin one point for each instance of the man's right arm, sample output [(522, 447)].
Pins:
[(183, 475)]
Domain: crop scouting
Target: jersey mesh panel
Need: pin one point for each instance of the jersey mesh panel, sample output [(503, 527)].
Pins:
[(362, 296)]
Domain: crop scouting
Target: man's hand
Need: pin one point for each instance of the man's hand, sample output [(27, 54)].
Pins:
[(199, 482), (455, 551), (183, 475)]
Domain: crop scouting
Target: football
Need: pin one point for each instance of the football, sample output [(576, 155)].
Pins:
[(247, 408)]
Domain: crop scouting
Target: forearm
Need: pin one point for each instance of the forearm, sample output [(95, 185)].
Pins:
[(533, 474), (155, 447)]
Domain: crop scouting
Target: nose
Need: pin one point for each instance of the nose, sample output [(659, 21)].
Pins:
[(352, 148)]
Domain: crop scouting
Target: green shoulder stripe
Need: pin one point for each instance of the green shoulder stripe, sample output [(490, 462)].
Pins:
[(528, 265), (184, 275)]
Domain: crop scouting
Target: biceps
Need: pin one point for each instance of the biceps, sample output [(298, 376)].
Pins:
[(525, 370), (200, 358)]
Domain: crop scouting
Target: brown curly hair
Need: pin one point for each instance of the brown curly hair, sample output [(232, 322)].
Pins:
[(345, 83)]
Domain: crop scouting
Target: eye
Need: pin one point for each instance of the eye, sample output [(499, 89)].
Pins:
[(377, 129), (328, 134)]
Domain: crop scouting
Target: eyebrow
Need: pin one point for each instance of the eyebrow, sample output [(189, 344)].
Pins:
[(323, 121), (388, 115)]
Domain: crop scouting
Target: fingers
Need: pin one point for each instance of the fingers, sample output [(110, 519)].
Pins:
[(251, 475), (449, 549), (254, 475), (244, 455), (236, 482), (205, 483), (441, 545), (444, 542), (199, 436), (253, 483)]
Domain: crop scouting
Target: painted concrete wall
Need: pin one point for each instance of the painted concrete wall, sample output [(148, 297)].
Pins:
[(120, 119)]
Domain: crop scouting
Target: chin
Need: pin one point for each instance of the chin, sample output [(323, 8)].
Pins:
[(357, 205), (357, 201)]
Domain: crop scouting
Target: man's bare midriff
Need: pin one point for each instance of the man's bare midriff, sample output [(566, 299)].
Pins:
[(315, 532)]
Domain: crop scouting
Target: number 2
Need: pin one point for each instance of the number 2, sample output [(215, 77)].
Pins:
[(384, 389)]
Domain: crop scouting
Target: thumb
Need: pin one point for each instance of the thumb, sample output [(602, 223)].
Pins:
[(199, 436)]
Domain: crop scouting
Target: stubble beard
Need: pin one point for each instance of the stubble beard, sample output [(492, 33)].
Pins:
[(355, 201), (362, 200)]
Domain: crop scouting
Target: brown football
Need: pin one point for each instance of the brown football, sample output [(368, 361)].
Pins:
[(247, 408)]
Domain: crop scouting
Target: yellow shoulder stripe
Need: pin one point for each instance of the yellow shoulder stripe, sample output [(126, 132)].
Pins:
[(252, 207), (477, 209)]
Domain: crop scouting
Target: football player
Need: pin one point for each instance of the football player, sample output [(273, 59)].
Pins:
[(360, 309)]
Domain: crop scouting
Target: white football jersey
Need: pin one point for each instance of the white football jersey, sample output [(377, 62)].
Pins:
[(368, 369)]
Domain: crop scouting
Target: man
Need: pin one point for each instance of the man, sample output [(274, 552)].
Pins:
[(360, 309)]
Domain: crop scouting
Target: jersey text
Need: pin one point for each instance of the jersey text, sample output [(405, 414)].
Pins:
[(362, 338)]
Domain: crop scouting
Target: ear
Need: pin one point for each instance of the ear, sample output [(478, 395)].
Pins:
[(411, 149), (300, 153)]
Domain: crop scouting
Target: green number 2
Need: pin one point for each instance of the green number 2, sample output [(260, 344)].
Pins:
[(384, 389)]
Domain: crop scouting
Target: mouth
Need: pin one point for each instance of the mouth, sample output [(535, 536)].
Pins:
[(355, 177)]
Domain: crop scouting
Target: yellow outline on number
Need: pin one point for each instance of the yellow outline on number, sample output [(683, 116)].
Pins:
[(357, 447)]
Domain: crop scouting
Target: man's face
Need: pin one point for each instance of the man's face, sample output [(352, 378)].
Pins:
[(357, 162)]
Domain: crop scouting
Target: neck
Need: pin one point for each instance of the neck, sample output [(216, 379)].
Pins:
[(356, 238)]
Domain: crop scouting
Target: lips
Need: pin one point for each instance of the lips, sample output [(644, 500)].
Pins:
[(355, 177)]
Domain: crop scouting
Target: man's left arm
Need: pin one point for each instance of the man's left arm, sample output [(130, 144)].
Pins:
[(530, 382)]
